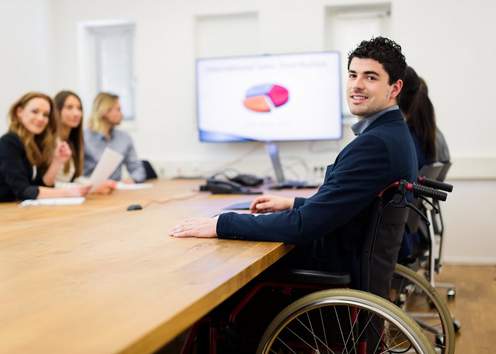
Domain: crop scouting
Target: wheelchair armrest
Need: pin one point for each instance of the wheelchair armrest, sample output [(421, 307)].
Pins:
[(318, 277)]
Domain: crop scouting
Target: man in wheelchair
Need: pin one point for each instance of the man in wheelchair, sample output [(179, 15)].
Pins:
[(330, 228)]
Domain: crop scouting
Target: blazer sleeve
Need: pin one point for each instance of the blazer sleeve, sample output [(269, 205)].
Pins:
[(12, 155), (359, 174)]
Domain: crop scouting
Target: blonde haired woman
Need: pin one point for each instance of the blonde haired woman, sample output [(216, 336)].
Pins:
[(105, 116), (30, 154)]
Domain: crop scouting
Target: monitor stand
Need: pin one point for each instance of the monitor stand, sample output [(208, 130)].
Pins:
[(281, 182)]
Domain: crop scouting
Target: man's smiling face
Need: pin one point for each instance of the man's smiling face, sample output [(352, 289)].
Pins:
[(368, 88)]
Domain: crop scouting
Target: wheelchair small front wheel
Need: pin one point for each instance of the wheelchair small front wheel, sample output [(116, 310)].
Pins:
[(343, 321)]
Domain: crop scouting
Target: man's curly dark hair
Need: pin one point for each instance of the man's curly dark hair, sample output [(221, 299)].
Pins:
[(385, 51)]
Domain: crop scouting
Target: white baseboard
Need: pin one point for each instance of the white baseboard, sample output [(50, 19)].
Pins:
[(469, 260)]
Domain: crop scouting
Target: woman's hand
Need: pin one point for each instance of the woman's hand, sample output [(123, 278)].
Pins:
[(270, 203), (79, 191), (62, 152), (106, 187), (61, 155)]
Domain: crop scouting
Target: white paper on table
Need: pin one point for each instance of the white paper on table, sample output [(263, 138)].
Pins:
[(53, 201), (107, 164), (133, 186)]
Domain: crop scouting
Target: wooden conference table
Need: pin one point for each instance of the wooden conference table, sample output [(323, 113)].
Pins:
[(96, 278)]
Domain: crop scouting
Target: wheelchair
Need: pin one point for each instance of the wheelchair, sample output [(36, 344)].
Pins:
[(323, 320), (305, 313)]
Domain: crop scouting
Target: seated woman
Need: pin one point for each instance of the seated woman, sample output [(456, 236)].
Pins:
[(70, 130), (430, 144), (105, 116), (30, 154), (417, 107)]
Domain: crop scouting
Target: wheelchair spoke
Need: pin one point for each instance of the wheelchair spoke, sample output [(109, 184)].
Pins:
[(314, 336), (284, 343), (323, 328), (365, 327), (312, 331), (351, 334), (388, 330), (340, 330), (388, 350), (379, 341), (304, 341)]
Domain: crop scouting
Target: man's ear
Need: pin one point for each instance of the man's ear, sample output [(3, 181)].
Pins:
[(396, 89)]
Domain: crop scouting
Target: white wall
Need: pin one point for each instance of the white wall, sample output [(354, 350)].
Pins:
[(26, 45), (442, 40), (470, 225), (449, 43), (165, 59)]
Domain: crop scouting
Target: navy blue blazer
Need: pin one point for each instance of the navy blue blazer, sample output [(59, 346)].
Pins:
[(382, 154)]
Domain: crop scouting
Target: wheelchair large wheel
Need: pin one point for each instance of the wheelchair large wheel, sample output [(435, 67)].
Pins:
[(413, 293), (343, 321)]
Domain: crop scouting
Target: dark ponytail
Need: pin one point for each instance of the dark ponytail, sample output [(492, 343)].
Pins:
[(415, 103)]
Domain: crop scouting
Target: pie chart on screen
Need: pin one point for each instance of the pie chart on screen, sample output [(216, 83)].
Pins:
[(265, 97)]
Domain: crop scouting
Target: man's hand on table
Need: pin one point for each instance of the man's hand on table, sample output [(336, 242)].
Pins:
[(270, 204), (197, 227)]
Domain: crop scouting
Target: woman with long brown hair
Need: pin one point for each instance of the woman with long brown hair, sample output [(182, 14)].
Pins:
[(69, 110), (70, 128), (30, 153), (430, 144), (418, 109)]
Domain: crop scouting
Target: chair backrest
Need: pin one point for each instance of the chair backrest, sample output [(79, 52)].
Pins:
[(381, 246), (444, 172), (149, 170), (432, 172)]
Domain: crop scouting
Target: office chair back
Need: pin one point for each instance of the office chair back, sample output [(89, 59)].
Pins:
[(149, 170), (444, 171), (432, 172)]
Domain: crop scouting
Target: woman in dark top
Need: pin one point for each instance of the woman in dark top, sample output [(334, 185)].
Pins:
[(430, 144), (30, 155), (417, 107)]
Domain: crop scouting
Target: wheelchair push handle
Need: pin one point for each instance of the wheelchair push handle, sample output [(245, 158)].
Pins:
[(424, 191), (416, 189), (435, 184)]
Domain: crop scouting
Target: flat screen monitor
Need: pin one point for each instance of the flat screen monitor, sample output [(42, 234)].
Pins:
[(270, 98)]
